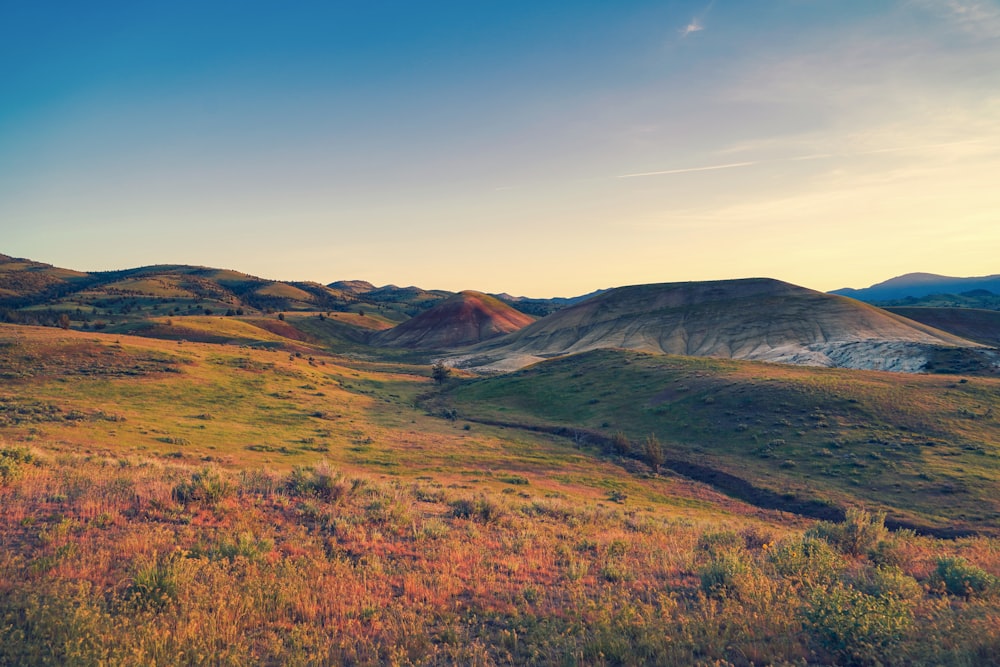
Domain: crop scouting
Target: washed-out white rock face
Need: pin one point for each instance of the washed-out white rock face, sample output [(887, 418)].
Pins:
[(755, 319)]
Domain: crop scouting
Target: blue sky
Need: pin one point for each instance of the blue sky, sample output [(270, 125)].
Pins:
[(538, 148)]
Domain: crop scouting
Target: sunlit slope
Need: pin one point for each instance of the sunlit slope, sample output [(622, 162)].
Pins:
[(115, 395), (926, 448), (161, 289), (22, 279), (463, 319), (758, 319)]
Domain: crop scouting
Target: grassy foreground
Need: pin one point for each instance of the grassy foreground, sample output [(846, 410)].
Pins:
[(179, 503), (132, 561)]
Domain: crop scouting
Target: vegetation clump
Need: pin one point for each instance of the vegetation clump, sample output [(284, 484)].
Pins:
[(956, 576), (859, 533), (207, 485), (13, 461)]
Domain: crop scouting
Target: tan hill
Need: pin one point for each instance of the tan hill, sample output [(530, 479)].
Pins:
[(758, 319), (464, 319), (352, 286)]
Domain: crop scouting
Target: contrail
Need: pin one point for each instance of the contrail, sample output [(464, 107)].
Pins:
[(731, 165)]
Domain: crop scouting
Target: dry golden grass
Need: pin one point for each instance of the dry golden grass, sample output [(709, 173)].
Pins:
[(136, 561)]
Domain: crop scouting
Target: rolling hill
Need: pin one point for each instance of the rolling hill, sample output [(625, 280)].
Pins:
[(36, 293), (759, 319), (807, 440), (464, 319)]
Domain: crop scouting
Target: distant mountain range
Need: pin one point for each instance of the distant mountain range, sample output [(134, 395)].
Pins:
[(754, 319), (912, 287)]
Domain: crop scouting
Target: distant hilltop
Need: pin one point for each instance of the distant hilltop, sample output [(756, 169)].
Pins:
[(917, 285)]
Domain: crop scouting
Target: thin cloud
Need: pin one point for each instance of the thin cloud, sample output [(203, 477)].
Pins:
[(687, 170), (812, 156), (973, 16), (697, 23), (694, 26)]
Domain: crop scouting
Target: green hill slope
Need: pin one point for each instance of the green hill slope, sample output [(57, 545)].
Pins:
[(925, 448)]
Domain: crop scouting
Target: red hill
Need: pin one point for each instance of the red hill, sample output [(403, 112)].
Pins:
[(463, 319)]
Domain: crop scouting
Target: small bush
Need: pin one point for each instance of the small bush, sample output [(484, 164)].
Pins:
[(321, 481), (206, 486), (717, 542), (652, 452), (479, 509), (808, 560), (859, 533), (620, 444), (257, 482), (889, 552), (519, 480), (956, 576), (884, 581), (154, 584), (13, 461), (244, 546), (754, 538), (854, 627), (724, 575)]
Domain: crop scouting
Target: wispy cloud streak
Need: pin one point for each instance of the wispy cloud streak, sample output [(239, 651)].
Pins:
[(697, 23), (915, 148), (974, 16), (687, 170), (694, 26)]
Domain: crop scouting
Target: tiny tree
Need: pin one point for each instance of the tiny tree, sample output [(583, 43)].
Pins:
[(652, 451), (620, 444), (440, 372)]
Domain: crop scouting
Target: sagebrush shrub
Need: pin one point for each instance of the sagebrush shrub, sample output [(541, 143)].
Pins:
[(806, 560), (207, 486), (724, 575), (859, 532), (154, 583), (854, 627), (956, 576)]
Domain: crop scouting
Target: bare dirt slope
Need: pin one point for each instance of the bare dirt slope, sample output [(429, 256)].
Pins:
[(464, 319), (758, 319)]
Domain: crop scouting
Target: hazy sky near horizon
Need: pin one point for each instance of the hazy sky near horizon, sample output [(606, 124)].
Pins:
[(539, 148)]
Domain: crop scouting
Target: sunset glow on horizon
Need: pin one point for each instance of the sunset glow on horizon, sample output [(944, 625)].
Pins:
[(539, 149)]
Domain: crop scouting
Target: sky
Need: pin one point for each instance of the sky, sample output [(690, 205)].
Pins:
[(540, 148)]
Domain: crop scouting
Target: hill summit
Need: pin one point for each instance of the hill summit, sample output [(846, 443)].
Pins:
[(757, 318), (464, 319)]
